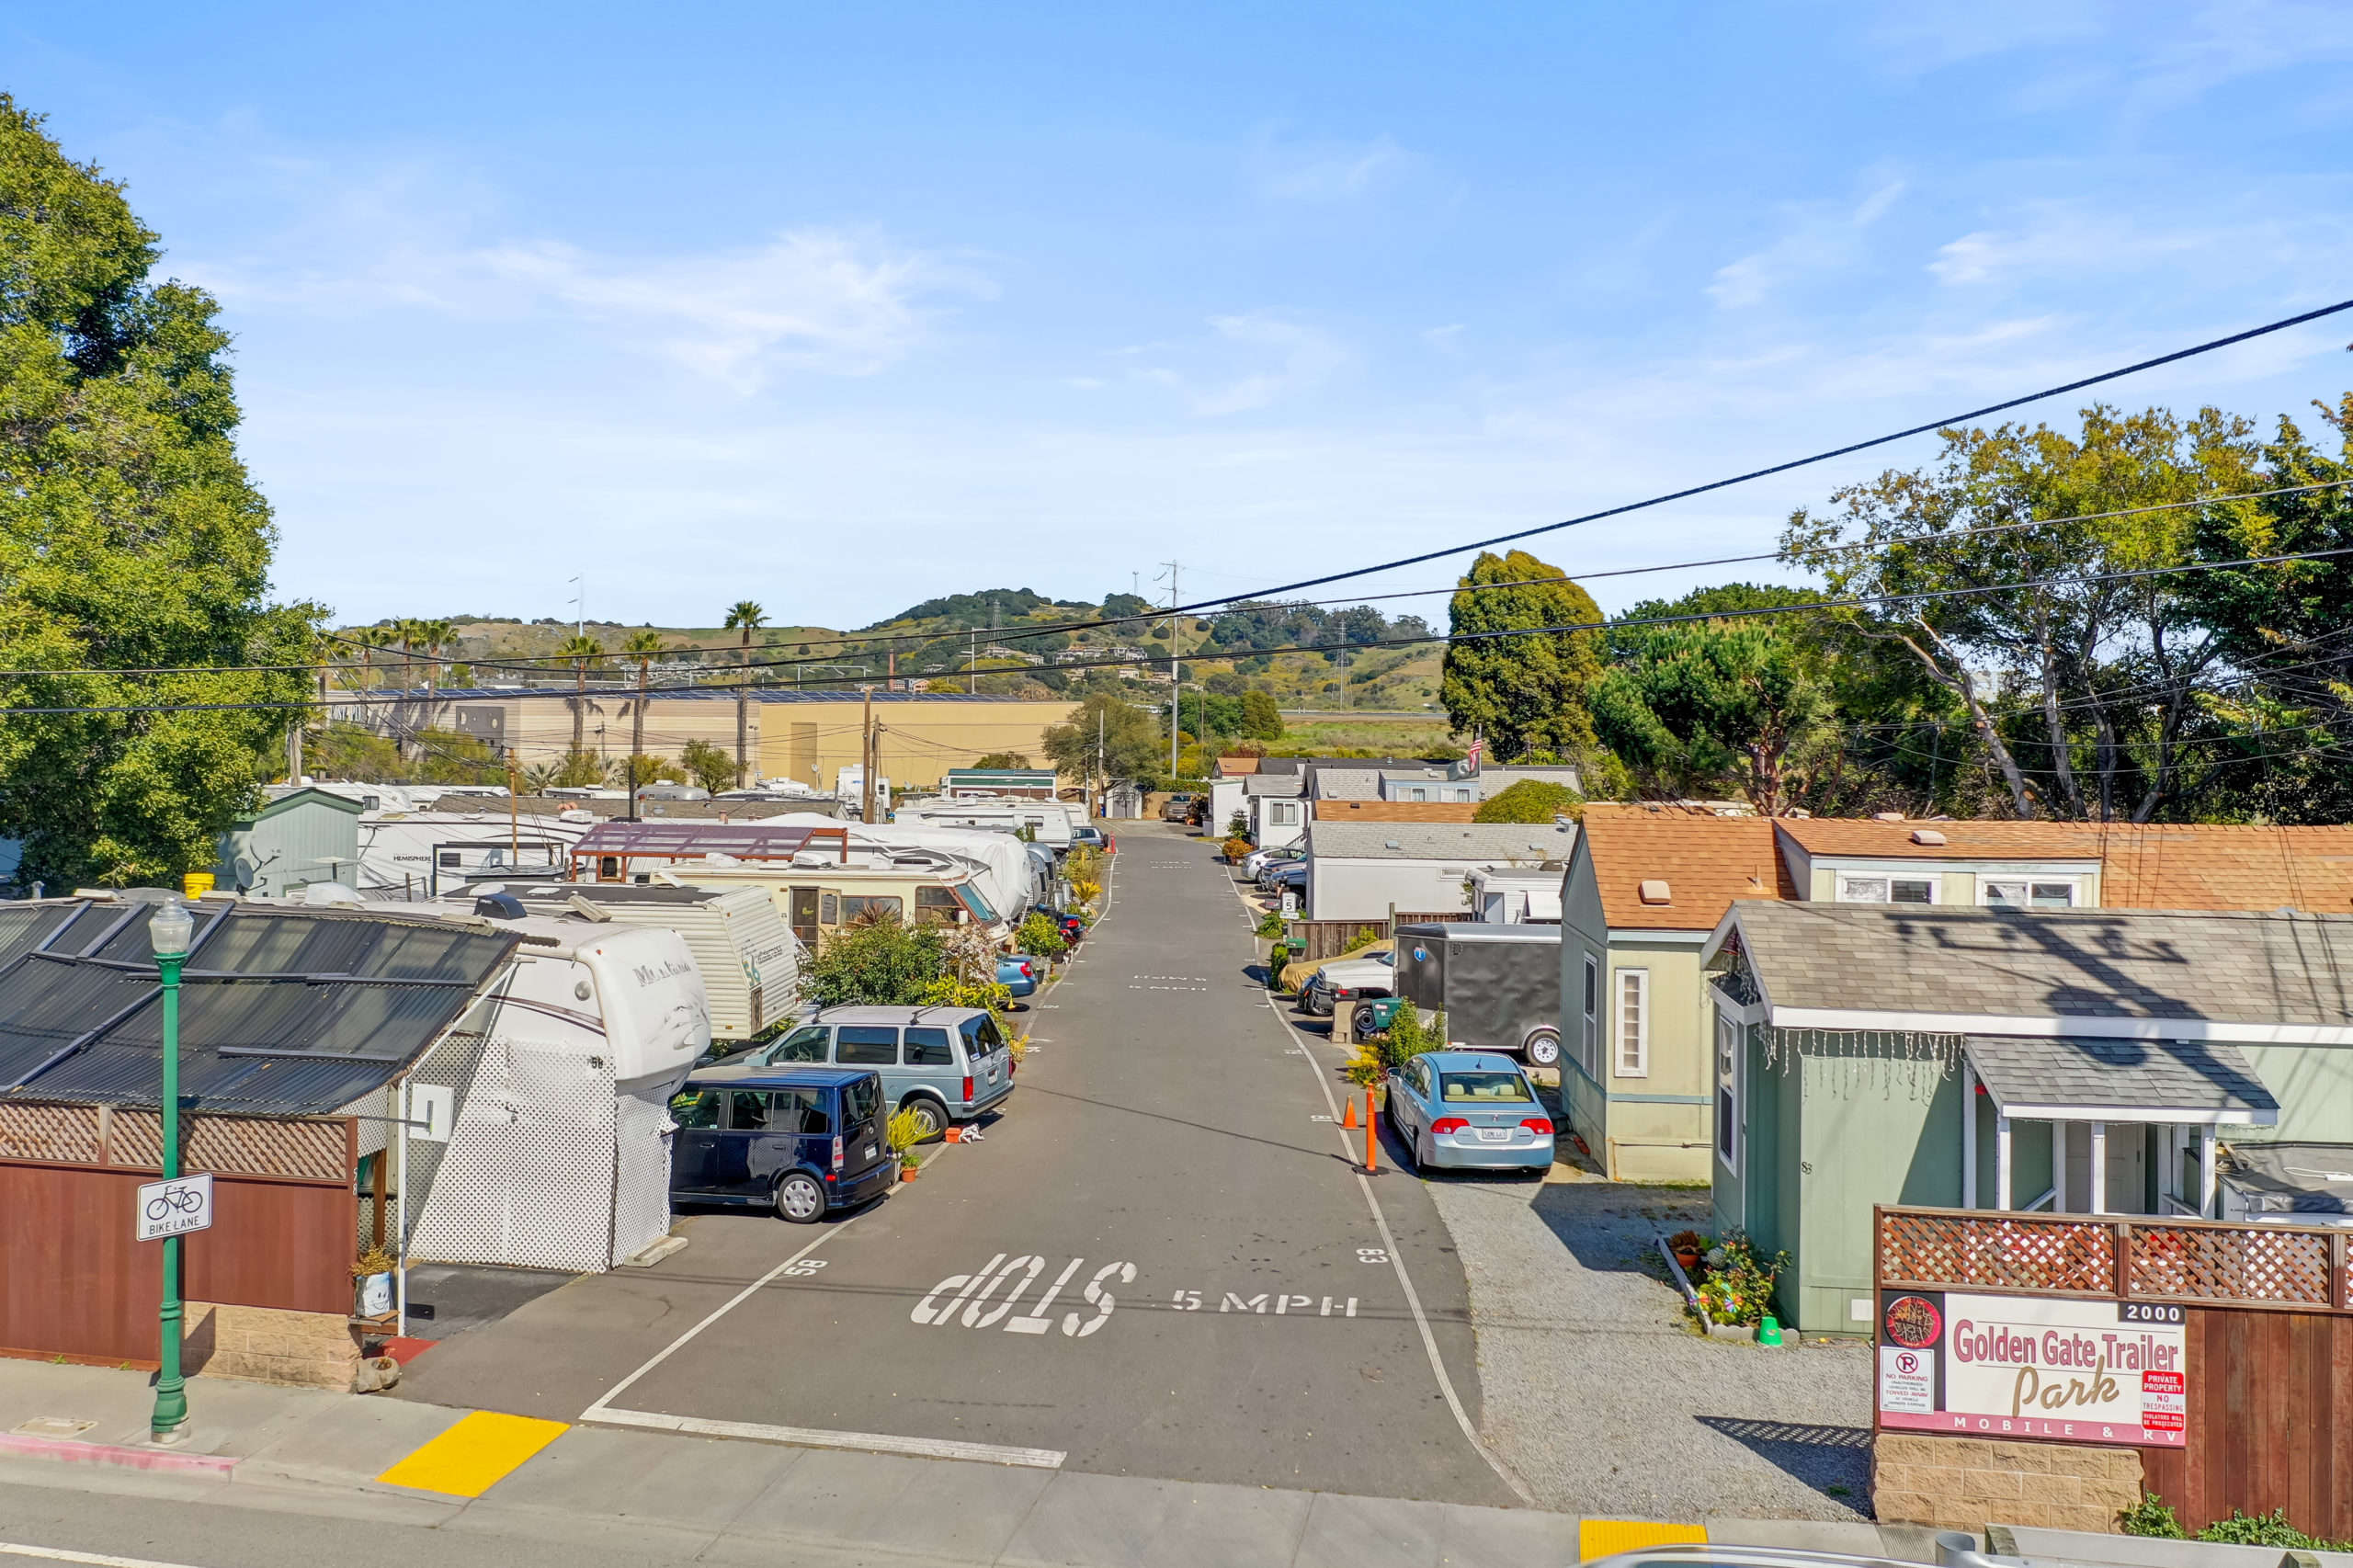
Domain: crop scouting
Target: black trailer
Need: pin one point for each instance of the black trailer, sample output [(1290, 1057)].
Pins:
[(1499, 985)]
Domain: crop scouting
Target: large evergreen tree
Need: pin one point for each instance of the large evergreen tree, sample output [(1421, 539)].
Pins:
[(130, 540), (1528, 692)]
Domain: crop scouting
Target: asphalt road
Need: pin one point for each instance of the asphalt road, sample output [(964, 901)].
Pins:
[(1229, 1308)]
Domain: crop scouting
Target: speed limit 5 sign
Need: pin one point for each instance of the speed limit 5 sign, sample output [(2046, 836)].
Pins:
[(173, 1207)]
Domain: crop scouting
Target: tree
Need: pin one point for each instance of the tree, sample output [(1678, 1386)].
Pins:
[(747, 618), (1261, 720), (710, 766), (1011, 759), (131, 538), (641, 646), (2097, 708), (1688, 705), (1532, 800), (1528, 692), (583, 654), (1106, 737)]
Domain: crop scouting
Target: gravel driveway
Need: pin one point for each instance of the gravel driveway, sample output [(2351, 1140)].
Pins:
[(1595, 1392)]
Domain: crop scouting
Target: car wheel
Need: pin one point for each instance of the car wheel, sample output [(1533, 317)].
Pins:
[(1364, 1020), (931, 1116), (800, 1200), (1544, 1048)]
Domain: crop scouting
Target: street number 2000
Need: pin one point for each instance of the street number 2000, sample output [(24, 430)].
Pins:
[(2149, 1312)]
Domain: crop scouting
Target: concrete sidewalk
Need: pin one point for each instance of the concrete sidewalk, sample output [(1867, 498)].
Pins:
[(672, 1497)]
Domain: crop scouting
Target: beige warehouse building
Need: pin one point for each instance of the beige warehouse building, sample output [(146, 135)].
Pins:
[(805, 736)]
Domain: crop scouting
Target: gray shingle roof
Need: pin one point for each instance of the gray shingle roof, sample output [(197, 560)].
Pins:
[(2193, 1076), (1348, 784), (1276, 784), (2089, 963), (1468, 842)]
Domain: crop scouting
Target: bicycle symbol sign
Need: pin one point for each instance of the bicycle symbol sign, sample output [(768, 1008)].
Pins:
[(173, 1207)]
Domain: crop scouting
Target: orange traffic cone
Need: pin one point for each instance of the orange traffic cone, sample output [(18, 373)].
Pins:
[(1349, 1121)]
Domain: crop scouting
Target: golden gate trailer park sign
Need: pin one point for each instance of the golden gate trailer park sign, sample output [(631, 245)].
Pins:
[(2039, 1367)]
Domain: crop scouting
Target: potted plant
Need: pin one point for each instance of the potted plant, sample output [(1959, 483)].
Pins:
[(371, 1281), (1686, 1246), (1738, 1293), (904, 1132)]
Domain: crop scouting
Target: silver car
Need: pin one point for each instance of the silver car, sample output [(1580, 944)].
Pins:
[(1469, 1108), (947, 1064)]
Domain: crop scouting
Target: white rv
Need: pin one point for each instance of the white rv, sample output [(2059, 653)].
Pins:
[(1049, 821), (750, 963)]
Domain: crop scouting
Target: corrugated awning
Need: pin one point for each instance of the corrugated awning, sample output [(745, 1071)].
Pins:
[(283, 1012), (684, 840)]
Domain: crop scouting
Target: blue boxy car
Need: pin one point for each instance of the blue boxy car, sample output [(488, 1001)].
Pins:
[(802, 1141), (1471, 1109)]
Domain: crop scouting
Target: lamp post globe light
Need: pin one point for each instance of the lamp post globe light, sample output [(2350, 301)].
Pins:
[(169, 930)]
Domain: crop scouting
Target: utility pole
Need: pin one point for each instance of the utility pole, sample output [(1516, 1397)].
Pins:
[(1102, 765), (866, 761), (580, 608), (972, 665), (514, 826), (1176, 686)]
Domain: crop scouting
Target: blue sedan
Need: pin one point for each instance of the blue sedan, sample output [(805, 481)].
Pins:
[(1017, 973), (1469, 1108)]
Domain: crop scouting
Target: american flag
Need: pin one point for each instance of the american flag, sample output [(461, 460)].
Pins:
[(1478, 744)]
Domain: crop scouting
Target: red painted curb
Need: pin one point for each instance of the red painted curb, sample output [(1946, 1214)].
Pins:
[(105, 1453)]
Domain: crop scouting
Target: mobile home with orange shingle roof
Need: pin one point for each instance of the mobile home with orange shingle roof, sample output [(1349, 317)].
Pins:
[(1645, 888)]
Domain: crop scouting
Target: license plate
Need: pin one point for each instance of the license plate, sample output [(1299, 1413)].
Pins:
[(1495, 1135), (869, 1151)]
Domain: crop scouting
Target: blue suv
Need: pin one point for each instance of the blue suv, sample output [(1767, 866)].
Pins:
[(801, 1141)]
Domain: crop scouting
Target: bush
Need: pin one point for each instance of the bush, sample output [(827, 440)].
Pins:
[(1408, 1037), (2263, 1530), (2150, 1516), (712, 767), (1236, 848), (1739, 1288), (880, 965), (950, 992), (1041, 938), (1271, 924), (904, 1132), (1532, 800)]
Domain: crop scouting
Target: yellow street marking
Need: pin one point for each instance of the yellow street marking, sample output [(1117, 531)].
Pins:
[(1607, 1537), (475, 1455)]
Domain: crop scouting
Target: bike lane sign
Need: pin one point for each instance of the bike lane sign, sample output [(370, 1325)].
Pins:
[(174, 1208)]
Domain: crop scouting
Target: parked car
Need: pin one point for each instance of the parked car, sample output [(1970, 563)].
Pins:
[(1073, 925), (1281, 874), (802, 1141), (1017, 973), (1177, 808), (1294, 975), (1258, 859), (1343, 982), (1471, 1108), (947, 1064), (1093, 838)]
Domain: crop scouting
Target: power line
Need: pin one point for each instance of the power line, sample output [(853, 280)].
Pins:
[(1807, 607)]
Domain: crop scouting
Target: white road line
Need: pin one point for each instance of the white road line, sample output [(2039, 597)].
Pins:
[(604, 1400), (812, 1437), (59, 1554)]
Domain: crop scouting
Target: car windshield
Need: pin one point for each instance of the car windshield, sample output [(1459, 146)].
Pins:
[(1482, 1088)]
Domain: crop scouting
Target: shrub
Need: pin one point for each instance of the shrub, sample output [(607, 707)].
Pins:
[(1408, 1037), (1362, 936), (2151, 1516), (1236, 848), (905, 1132), (1041, 938), (1739, 1290), (2262, 1529), (1271, 924), (948, 991), (879, 965), (1532, 800), (712, 767)]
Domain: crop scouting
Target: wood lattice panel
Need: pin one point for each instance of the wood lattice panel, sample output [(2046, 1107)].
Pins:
[(2248, 1265), (65, 1132), (2012, 1253)]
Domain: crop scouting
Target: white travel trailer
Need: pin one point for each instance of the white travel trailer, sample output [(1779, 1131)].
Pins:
[(750, 963), (416, 854), (1049, 821), (557, 1152), (1008, 876)]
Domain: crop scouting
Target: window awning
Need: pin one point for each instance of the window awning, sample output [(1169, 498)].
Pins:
[(2067, 1078)]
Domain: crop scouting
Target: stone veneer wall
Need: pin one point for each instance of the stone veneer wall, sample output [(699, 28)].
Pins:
[(270, 1344), (1968, 1482)]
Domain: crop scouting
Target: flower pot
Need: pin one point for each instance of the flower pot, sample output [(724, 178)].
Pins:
[(374, 1295), (907, 1173), (1688, 1261)]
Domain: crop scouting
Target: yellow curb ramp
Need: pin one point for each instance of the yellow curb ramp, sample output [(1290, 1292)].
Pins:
[(1607, 1537), (477, 1454)]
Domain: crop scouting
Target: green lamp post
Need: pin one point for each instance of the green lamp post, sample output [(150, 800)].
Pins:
[(169, 930)]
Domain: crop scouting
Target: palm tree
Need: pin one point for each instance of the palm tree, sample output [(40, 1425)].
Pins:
[(369, 639), (641, 646), (747, 617), (582, 654), (435, 636)]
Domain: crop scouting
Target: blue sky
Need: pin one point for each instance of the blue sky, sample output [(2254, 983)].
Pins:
[(842, 307)]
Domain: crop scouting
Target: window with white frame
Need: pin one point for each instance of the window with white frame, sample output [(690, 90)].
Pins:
[(1633, 1023), (1589, 1048), (1285, 813), (1887, 890), (1728, 1042), (2005, 893)]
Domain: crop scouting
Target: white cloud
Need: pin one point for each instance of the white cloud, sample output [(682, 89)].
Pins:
[(1327, 172), (1304, 359), (1819, 239)]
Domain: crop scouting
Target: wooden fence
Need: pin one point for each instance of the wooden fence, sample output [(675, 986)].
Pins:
[(74, 1283), (2269, 1320), (1330, 938)]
